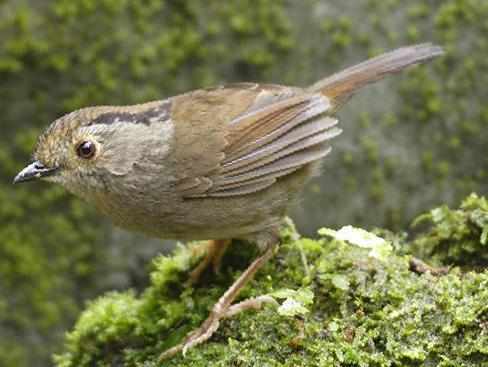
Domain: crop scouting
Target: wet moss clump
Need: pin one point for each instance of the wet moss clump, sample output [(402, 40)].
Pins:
[(457, 236), (342, 304)]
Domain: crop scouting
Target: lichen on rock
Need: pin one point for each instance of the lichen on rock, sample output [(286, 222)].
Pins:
[(340, 307)]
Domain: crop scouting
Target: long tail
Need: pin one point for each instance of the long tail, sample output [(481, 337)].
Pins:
[(341, 86)]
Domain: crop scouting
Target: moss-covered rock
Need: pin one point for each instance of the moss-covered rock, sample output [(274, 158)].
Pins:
[(341, 305)]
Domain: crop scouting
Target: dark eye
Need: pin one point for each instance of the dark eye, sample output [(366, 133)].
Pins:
[(86, 150)]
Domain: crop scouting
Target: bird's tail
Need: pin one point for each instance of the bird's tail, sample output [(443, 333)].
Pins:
[(341, 86)]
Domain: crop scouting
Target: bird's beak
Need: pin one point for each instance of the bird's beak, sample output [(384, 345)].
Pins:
[(34, 171)]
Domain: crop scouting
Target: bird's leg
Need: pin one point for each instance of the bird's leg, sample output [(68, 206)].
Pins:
[(216, 249), (222, 308)]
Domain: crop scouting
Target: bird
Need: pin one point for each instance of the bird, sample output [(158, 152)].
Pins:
[(216, 164)]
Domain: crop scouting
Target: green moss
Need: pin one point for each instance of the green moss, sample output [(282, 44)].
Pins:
[(349, 308), (455, 236)]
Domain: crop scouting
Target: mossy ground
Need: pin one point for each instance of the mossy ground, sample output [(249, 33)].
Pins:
[(350, 309)]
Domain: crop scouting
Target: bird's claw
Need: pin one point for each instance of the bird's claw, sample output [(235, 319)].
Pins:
[(211, 324), (194, 337)]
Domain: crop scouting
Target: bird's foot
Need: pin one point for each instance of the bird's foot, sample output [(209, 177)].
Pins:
[(216, 250), (223, 308), (211, 324)]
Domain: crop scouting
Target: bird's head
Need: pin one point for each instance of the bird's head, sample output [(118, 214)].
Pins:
[(85, 149)]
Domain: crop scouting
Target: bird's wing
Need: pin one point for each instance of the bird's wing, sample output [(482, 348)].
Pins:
[(279, 132)]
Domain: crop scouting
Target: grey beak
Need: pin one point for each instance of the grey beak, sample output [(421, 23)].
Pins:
[(34, 171)]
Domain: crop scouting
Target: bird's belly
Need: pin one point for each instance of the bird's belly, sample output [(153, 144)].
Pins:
[(195, 219), (170, 217)]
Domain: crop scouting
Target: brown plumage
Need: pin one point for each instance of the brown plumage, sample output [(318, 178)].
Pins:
[(218, 163)]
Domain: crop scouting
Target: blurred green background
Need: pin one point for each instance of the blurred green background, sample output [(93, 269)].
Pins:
[(409, 143)]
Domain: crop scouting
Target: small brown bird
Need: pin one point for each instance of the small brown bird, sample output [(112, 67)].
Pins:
[(218, 163)]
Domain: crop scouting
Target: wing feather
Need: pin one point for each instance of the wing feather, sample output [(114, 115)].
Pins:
[(274, 175), (279, 134), (244, 188), (313, 132), (269, 123), (295, 160)]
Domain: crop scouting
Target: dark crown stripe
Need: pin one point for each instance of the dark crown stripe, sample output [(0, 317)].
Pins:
[(160, 112)]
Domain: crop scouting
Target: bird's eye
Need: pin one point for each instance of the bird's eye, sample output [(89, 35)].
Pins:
[(86, 150)]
